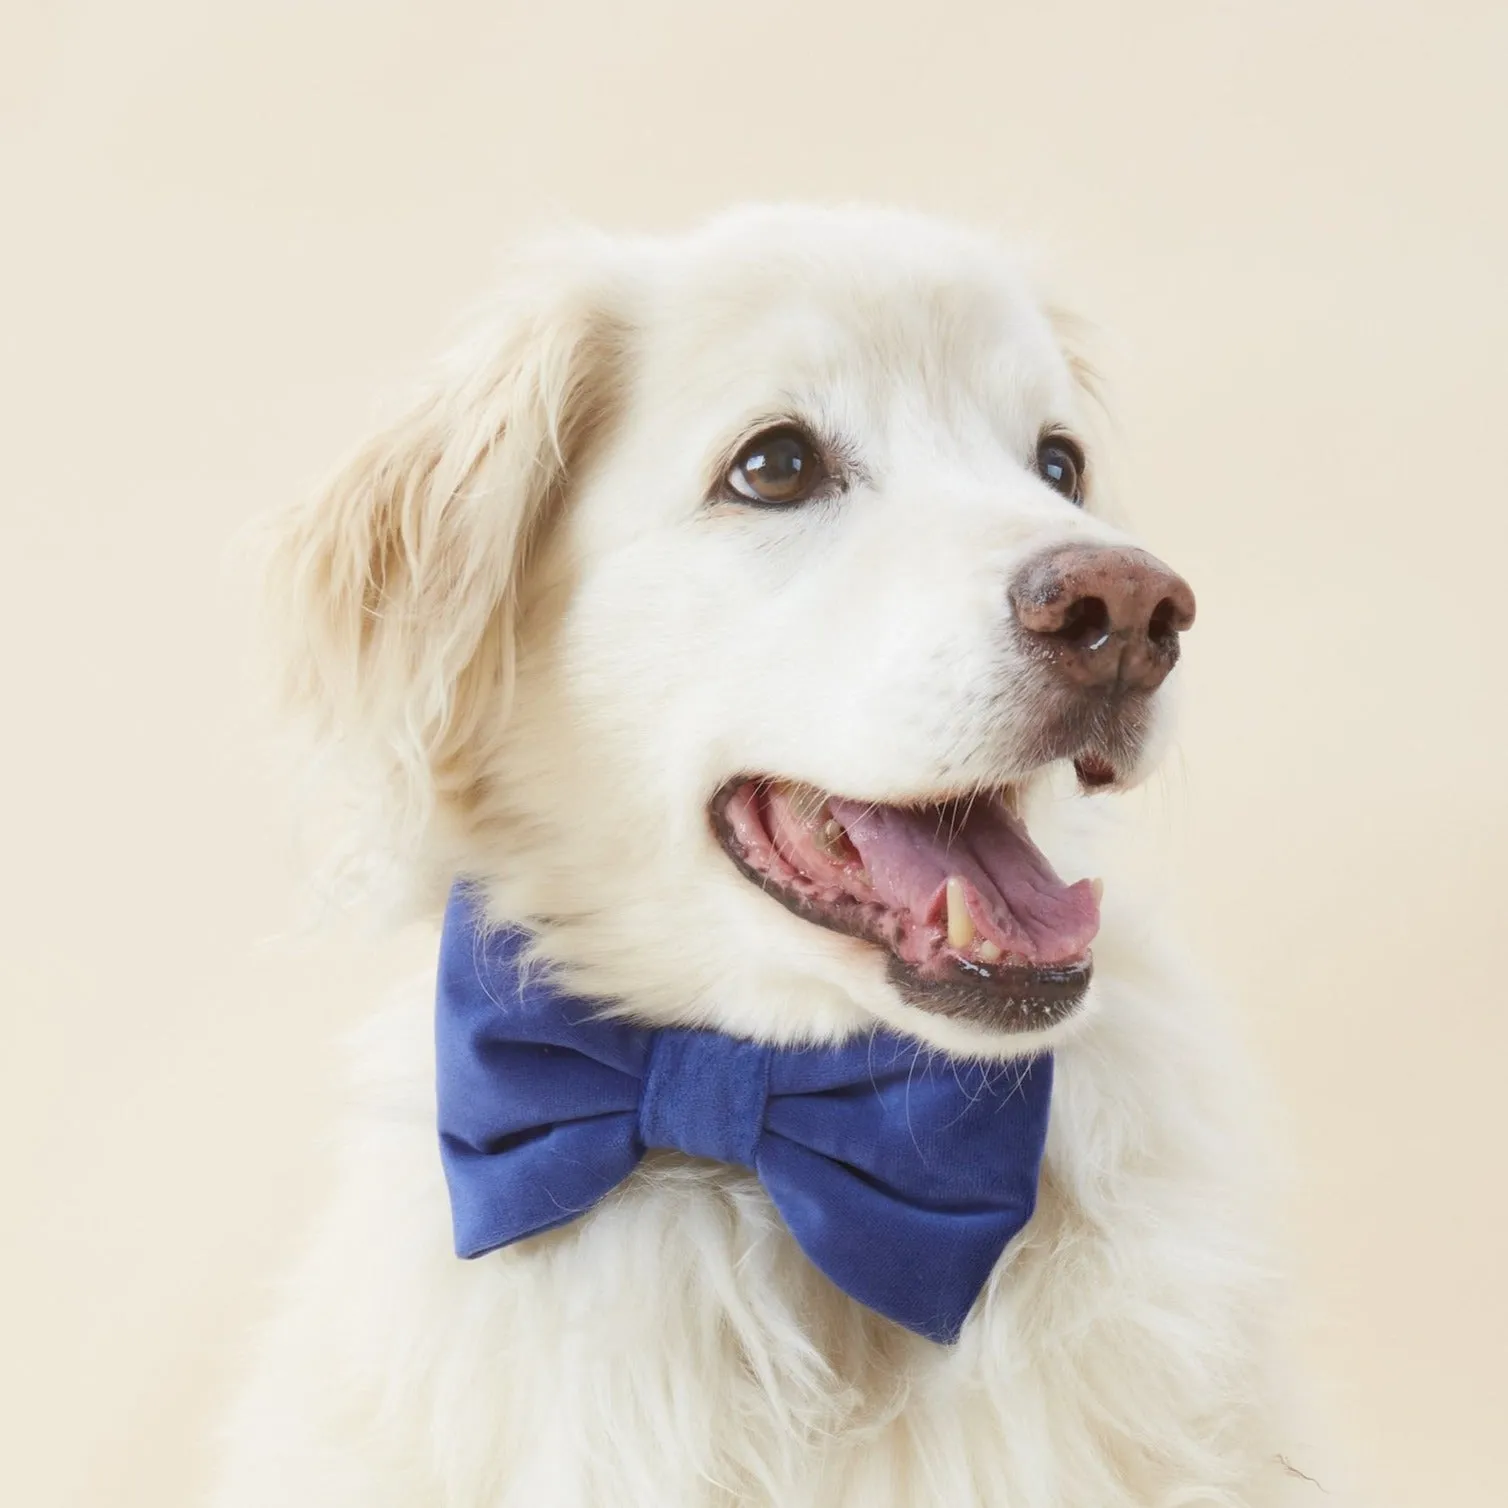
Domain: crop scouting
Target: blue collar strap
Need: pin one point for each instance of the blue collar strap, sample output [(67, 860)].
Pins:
[(902, 1173)]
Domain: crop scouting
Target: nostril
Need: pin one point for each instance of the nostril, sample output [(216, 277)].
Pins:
[(1162, 628), (1086, 624)]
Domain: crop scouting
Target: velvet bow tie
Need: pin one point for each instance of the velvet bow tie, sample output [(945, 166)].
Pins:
[(901, 1173)]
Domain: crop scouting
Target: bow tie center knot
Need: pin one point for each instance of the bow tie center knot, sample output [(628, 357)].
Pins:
[(704, 1094)]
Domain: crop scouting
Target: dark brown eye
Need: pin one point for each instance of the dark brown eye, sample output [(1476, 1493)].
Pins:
[(780, 467), (1060, 463)]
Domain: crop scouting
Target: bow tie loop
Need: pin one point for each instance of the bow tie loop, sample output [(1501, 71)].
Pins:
[(705, 1096)]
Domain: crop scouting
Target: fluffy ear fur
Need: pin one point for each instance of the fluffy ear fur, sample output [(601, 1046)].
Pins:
[(394, 591)]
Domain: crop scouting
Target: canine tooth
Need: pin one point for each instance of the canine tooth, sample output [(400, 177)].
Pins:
[(961, 930), (990, 952), (1097, 889)]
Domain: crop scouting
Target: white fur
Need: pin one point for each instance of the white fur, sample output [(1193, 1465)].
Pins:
[(543, 651)]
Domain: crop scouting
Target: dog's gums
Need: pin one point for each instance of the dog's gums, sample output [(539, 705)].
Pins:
[(977, 924)]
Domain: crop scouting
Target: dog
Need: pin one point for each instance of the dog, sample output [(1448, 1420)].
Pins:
[(741, 618)]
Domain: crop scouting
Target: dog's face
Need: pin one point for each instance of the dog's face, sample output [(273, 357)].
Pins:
[(732, 600)]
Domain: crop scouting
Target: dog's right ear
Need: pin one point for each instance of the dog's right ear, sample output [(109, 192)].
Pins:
[(394, 591)]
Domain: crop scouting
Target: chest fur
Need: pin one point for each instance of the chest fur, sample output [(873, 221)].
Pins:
[(681, 1323)]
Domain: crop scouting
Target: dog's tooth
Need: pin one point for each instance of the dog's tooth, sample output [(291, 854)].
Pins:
[(990, 952), (961, 929), (829, 838), (1097, 889)]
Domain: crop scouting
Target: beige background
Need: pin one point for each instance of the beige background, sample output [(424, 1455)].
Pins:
[(228, 229)]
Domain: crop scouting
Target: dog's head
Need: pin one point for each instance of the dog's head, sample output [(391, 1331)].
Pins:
[(721, 607)]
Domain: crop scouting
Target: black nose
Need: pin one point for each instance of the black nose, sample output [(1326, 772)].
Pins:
[(1103, 616)]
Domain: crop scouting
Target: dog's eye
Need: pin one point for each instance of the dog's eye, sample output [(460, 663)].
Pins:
[(1060, 463), (780, 467)]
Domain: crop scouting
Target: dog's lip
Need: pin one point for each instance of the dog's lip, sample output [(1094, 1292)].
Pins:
[(1002, 999), (1006, 988), (1095, 772)]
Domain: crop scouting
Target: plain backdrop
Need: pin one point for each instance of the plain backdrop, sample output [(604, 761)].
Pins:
[(229, 231)]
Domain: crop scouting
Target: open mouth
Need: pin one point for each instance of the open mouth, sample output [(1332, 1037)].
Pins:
[(977, 925)]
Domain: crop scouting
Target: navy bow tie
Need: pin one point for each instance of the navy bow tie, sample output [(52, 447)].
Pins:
[(901, 1173)]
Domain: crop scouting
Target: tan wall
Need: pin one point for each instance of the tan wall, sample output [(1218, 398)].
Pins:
[(227, 229)]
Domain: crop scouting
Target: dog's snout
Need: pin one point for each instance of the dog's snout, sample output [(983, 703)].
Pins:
[(1105, 617)]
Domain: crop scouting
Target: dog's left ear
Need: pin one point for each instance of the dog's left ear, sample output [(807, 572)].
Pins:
[(395, 590)]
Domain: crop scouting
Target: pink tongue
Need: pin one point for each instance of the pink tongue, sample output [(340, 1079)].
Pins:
[(1016, 900)]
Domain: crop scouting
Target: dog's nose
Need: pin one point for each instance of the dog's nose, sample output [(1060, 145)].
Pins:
[(1105, 617)]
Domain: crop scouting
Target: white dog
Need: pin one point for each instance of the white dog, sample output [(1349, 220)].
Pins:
[(726, 613)]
